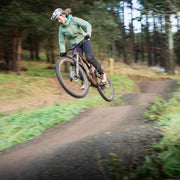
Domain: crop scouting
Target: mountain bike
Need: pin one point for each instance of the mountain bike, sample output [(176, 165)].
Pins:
[(73, 71)]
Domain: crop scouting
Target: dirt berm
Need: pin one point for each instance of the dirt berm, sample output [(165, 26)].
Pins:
[(80, 149)]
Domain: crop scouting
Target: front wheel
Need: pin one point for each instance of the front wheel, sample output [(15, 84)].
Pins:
[(67, 76), (106, 90)]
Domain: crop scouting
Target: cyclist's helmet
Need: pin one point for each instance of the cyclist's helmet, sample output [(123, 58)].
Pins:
[(57, 12)]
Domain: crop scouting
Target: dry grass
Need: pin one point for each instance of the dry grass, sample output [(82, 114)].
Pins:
[(140, 71)]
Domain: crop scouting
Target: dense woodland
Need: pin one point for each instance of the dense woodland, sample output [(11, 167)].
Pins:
[(26, 25)]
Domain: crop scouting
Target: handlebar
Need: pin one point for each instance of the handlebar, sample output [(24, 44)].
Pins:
[(79, 43)]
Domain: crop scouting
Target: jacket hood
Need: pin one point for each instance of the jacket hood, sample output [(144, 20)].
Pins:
[(69, 16)]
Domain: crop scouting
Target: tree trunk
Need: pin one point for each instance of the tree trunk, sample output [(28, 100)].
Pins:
[(148, 42), (171, 52), (142, 41), (169, 36), (19, 52), (31, 46), (14, 50), (178, 21), (47, 56), (162, 45), (51, 50), (7, 51), (155, 38), (36, 48), (52, 56), (137, 47), (132, 40), (113, 50), (123, 35)]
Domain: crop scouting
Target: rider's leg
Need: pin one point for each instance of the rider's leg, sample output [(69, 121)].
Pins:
[(87, 48)]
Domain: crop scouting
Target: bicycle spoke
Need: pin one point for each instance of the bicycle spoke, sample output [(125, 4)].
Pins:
[(69, 77), (70, 80)]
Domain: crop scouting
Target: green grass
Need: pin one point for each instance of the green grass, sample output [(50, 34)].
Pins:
[(42, 71), (15, 87), (163, 161), (29, 84), (23, 126)]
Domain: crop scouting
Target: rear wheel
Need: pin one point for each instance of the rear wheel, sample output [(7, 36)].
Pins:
[(66, 74), (106, 90)]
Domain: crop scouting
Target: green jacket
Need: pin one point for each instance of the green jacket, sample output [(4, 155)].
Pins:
[(72, 29)]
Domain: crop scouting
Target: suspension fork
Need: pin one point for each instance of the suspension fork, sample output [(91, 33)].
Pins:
[(76, 73), (77, 65)]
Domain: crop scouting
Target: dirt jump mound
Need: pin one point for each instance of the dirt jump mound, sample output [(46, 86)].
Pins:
[(80, 149)]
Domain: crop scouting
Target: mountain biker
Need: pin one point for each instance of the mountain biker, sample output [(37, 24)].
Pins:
[(72, 28)]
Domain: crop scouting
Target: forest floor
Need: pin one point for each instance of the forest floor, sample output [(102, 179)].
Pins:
[(82, 148)]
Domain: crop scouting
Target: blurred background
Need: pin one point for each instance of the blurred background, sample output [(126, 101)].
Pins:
[(141, 37), (129, 31)]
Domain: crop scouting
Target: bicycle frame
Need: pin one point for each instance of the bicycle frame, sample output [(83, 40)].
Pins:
[(81, 71), (79, 60)]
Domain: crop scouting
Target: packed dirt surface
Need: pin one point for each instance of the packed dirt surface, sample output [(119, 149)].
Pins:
[(82, 148)]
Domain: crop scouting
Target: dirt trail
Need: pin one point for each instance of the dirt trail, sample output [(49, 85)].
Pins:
[(78, 149)]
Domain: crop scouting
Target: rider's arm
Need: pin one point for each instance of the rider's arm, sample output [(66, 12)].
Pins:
[(84, 24), (61, 41)]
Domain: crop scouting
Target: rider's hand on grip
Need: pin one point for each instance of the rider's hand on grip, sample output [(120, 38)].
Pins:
[(63, 54), (87, 36)]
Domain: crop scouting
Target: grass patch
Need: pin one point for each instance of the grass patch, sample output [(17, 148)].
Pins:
[(163, 161), (23, 126), (42, 70), (18, 87)]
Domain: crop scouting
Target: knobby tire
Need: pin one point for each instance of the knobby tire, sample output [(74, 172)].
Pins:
[(106, 91), (66, 83)]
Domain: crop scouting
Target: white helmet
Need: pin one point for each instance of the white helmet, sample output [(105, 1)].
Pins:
[(57, 13)]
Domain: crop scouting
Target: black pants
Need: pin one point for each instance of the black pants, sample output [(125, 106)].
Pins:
[(86, 47)]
